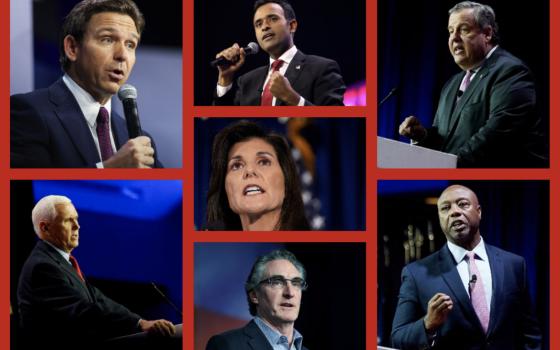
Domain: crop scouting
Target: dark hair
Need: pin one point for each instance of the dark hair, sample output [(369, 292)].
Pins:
[(257, 272), (483, 15), (289, 12), (218, 213), (75, 23)]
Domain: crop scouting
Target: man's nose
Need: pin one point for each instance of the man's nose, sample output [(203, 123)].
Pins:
[(289, 290), (121, 53), (455, 211)]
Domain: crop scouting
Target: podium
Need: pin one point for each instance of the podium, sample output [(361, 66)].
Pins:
[(395, 154), (144, 341)]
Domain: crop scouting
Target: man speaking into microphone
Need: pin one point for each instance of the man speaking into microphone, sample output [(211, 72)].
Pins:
[(467, 295), (291, 78), (71, 124)]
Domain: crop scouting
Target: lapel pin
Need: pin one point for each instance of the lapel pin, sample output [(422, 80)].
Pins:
[(298, 66)]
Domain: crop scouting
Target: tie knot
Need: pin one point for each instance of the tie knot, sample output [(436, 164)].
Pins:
[(103, 116), (471, 255), (276, 65)]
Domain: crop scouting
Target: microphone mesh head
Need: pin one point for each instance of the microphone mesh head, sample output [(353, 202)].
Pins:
[(127, 91), (252, 48)]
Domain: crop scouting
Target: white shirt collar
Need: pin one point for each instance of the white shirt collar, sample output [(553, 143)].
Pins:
[(88, 105), (64, 254), (459, 252), (287, 56)]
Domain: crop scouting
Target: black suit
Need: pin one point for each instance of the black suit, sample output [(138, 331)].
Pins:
[(249, 337), (48, 130), (495, 123), (58, 309), (316, 79)]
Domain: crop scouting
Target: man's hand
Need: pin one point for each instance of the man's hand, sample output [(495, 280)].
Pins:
[(135, 153), (158, 327), (438, 308), (233, 54), (412, 128), (281, 88)]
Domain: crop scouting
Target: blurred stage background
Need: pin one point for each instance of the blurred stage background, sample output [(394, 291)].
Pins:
[(157, 75), (515, 217), (334, 198)]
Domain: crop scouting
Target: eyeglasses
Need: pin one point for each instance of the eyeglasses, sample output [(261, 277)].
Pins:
[(279, 282)]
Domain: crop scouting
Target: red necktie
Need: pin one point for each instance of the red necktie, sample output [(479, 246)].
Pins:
[(104, 134), (266, 98), (76, 267)]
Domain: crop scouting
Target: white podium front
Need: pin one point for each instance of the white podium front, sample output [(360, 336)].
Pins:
[(395, 154)]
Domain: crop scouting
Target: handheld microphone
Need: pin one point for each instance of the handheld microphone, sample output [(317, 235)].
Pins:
[(391, 93), (251, 49), (127, 94), (167, 299)]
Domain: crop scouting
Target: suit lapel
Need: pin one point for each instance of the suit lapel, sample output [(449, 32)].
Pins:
[(70, 115), (497, 271), (64, 265), (475, 85), (453, 281), (294, 69), (257, 340)]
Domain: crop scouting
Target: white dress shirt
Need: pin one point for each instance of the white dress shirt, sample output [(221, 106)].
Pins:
[(482, 263), (287, 57), (90, 110)]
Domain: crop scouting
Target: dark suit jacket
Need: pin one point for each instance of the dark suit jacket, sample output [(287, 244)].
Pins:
[(495, 123), (57, 308), (512, 323), (316, 79), (249, 337), (48, 130)]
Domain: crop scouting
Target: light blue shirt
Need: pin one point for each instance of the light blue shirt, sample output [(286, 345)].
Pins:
[(277, 340)]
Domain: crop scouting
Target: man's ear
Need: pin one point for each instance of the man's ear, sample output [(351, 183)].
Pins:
[(71, 48), (253, 297), (488, 33), (293, 26)]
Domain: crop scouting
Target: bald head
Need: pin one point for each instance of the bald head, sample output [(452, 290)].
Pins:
[(459, 216)]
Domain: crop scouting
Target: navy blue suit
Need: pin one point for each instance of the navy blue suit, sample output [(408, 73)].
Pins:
[(512, 322), (48, 130), (249, 337), (316, 79)]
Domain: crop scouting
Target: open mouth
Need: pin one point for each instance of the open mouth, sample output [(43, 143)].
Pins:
[(267, 36), (253, 190), (458, 50), (116, 74), (458, 225), (287, 305)]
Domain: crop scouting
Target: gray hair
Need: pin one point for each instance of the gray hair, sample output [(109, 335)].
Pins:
[(45, 210), (259, 267), (483, 15)]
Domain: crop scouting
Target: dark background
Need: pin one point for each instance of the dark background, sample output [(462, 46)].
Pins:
[(413, 54), (339, 147), (515, 217), (335, 30)]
